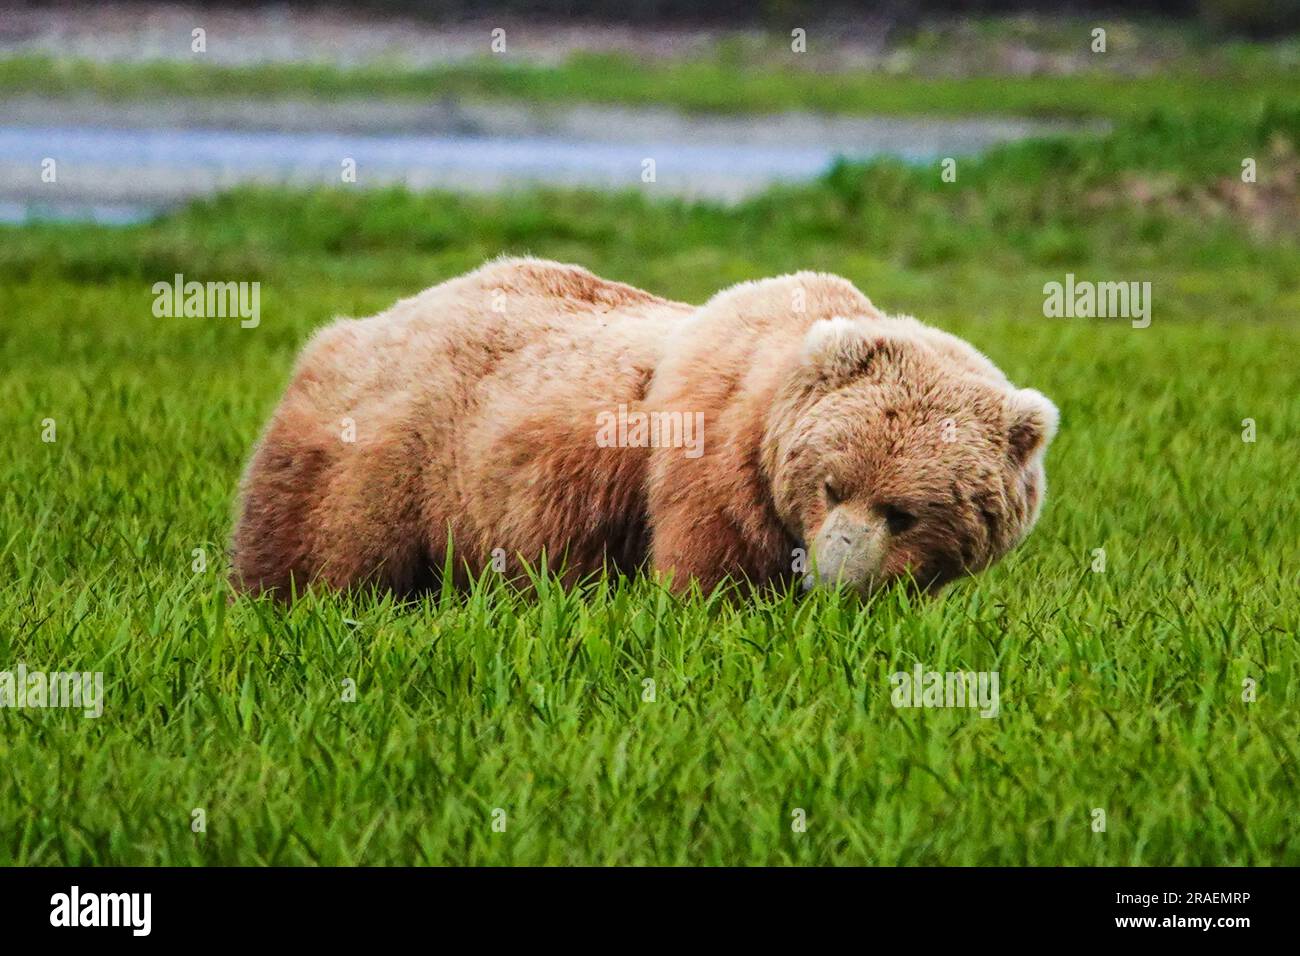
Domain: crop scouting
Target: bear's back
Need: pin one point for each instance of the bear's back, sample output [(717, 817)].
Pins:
[(518, 316)]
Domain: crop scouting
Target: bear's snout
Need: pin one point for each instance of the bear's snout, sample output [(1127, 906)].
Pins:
[(850, 550)]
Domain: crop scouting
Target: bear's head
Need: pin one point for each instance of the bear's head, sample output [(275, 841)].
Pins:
[(894, 450)]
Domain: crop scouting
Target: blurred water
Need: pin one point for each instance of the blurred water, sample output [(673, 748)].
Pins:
[(122, 173), (107, 214)]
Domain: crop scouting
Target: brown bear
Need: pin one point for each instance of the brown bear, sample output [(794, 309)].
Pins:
[(532, 409)]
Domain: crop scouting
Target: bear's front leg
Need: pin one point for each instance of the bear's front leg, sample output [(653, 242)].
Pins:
[(689, 548)]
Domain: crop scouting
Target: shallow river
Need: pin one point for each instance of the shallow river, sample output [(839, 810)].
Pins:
[(119, 162)]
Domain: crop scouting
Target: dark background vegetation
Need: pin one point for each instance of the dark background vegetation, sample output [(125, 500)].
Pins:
[(1247, 17)]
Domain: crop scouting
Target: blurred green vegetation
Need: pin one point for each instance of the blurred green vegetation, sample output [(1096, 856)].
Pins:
[(772, 83)]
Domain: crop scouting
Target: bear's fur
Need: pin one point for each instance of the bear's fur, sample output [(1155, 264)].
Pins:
[(470, 414)]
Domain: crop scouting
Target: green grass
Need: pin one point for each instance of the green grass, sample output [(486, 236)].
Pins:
[(1120, 690), (768, 84)]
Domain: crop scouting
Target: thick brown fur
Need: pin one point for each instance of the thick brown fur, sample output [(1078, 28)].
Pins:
[(469, 414)]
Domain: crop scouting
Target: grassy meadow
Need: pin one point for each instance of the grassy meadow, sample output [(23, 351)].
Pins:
[(1121, 689)]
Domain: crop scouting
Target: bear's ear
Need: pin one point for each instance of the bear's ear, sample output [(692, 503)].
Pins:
[(1033, 420), (838, 349)]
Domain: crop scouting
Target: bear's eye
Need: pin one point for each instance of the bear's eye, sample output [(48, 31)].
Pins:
[(898, 520), (833, 496)]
